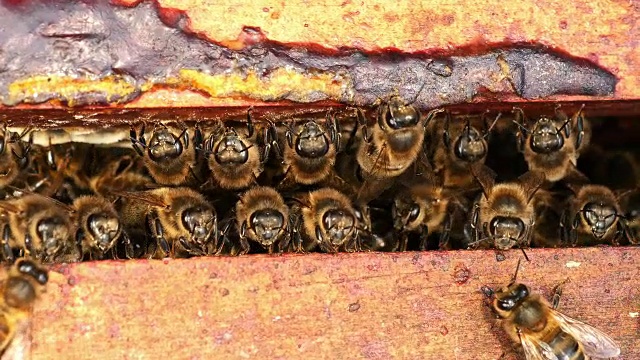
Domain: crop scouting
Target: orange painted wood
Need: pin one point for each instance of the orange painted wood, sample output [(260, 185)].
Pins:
[(346, 306)]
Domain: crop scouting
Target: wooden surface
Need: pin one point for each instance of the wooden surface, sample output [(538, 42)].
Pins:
[(346, 306), (603, 33)]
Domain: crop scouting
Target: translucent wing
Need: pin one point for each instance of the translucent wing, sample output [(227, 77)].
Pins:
[(595, 343), (535, 349)]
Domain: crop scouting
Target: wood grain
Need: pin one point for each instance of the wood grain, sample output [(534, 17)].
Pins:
[(346, 306)]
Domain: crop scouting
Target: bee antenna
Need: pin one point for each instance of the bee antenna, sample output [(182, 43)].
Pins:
[(563, 126), (488, 130), (515, 275), (525, 255)]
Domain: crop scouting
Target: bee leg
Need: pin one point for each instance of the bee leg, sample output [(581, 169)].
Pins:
[(128, 246), (443, 242), (198, 139), (446, 138), (362, 122), (244, 245), (135, 143), (557, 293), (28, 245), (580, 128), (250, 128), (424, 236), (404, 240), (7, 252), (158, 234)]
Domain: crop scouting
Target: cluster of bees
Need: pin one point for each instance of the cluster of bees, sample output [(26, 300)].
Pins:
[(388, 178)]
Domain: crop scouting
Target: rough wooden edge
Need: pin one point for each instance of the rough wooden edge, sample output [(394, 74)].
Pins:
[(349, 306)]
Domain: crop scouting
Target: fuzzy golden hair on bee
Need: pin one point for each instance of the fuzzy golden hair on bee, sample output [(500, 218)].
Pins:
[(330, 219), (98, 224), (310, 149), (168, 154), (24, 285), (458, 143), (38, 225), (504, 214), (263, 217), (552, 144), (544, 332), (593, 216)]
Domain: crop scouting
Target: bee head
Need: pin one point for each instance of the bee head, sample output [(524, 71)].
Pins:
[(104, 228), (163, 145), (545, 138), (397, 115), (506, 299), (199, 222), (506, 230), (19, 289), (268, 225), (471, 145), (312, 141), (600, 217), (338, 225), (53, 233), (231, 150), (405, 212)]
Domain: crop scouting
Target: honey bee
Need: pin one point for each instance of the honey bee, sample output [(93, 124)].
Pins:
[(548, 209), (395, 140), (543, 331), (427, 209), (235, 159), (592, 216), (504, 215), (119, 174), (24, 285), (14, 154), (98, 225), (37, 225), (179, 220), (553, 145), (630, 204), (310, 151), (168, 157), (461, 146), (263, 217), (328, 220)]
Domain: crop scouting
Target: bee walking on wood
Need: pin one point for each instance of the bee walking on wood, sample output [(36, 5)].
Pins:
[(543, 331), (24, 285)]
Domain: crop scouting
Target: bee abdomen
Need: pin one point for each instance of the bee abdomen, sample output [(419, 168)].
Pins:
[(565, 347)]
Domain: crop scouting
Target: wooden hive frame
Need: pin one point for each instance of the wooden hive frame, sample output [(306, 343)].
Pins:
[(374, 306)]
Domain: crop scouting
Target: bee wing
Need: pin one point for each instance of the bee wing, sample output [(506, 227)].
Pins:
[(596, 344), (535, 349), (19, 346), (149, 198)]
